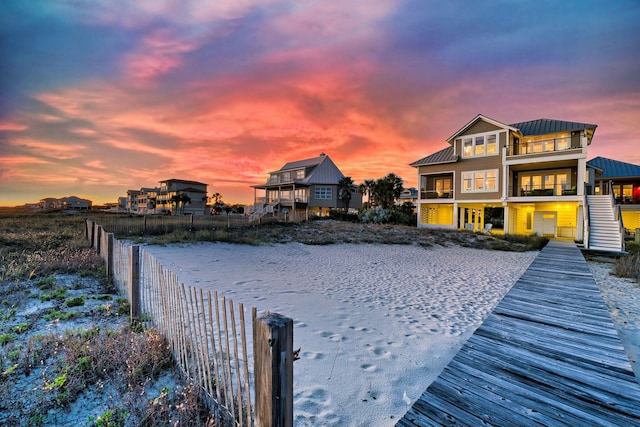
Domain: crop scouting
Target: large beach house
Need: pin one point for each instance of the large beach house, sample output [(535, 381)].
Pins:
[(522, 178), (302, 188)]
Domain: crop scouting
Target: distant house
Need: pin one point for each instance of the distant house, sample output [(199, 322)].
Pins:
[(66, 203), (75, 203), (410, 194), (49, 203), (622, 180), (302, 188), (180, 197)]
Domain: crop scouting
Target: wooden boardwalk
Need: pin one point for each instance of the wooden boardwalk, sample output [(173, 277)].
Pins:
[(547, 355)]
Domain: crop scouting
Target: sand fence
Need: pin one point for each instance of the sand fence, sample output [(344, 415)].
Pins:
[(208, 334)]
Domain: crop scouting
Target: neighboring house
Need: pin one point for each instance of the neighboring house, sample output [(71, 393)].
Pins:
[(522, 178), (180, 197), (67, 203), (132, 201), (49, 203), (302, 188), (623, 181), (75, 203), (410, 194)]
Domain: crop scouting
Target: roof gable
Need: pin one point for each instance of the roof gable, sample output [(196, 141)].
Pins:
[(319, 170), (548, 126), (474, 121), (614, 168)]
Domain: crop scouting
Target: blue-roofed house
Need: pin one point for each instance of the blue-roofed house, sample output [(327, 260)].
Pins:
[(621, 180), (522, 178)]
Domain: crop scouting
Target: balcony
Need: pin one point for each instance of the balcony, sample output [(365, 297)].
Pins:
[(435, 194), (544, 146), (540, 191)]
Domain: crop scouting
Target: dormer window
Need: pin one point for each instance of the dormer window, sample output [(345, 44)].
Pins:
[(485, 144)]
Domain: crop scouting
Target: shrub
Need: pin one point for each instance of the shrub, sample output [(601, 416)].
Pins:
[(628, 266), (376, 215)]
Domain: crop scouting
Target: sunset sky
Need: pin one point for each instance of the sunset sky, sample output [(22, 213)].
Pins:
[(98, 97)]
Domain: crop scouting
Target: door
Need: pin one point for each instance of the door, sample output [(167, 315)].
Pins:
[(549, 224)]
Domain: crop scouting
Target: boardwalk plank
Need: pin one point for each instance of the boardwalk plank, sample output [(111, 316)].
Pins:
[(548, 354)]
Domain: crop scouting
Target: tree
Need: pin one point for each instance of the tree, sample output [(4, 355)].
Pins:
[(366, 188), (346, 187), (179, 200), (386, 190)]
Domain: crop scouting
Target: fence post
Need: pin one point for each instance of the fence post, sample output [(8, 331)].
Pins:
[(92, 225), (273, 367), (110, 256), (98, 240), (134, 289)]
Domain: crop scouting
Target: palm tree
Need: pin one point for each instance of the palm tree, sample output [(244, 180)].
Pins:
[(179, 200), (386, 190), (345, 189)]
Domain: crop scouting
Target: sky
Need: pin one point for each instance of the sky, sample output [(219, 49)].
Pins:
[(100, 97)]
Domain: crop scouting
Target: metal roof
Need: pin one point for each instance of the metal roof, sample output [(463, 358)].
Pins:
[(299, 164), (547, 126), (443, 156), (614, 168)]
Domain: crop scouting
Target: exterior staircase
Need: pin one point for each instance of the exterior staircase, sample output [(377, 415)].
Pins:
[(261, 210), (605, 231)]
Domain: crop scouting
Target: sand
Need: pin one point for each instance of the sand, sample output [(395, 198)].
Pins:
[(376, 324)]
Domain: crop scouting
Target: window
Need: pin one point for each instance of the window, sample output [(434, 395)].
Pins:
[(467, 144), (300, 174), (323, 193), (286, 177), (492, 144), (480, 181), (480, 145)]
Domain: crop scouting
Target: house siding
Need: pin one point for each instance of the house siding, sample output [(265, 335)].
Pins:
[(480, 127)]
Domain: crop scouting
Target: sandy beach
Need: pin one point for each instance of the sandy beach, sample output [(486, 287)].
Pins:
[(375, 323)]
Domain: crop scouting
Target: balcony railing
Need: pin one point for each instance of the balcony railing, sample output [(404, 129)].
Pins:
[(264, 200), (539, 191), (436, 194), (543, 146)]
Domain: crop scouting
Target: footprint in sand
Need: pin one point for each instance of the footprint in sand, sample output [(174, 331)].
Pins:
[(312, 355), (369, 368), (332, 336)]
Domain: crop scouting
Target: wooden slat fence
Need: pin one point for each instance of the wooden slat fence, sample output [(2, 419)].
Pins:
[(207, 332), (139, 225), (207, 339)]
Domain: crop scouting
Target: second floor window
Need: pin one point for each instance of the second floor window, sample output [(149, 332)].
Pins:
[(480, 181), (300, 174), (323, 193)]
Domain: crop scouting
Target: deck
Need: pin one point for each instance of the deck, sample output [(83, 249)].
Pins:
[(547, 355)]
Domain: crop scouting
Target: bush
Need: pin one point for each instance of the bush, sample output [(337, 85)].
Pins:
[(628, 266), (376, 215)]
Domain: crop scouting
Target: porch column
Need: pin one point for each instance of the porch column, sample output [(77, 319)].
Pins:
[(505, 181), (505, 216), (293, 214), (456, 221), (582, 170)]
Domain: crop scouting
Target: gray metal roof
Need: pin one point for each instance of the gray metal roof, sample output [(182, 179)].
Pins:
[(547, 126), (299, 164), (443, 156), (614, 168)]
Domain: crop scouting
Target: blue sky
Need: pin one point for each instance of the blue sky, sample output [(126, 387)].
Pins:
[(100, 97)]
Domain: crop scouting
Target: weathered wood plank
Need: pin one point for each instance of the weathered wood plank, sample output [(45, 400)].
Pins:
[(548, 354)]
